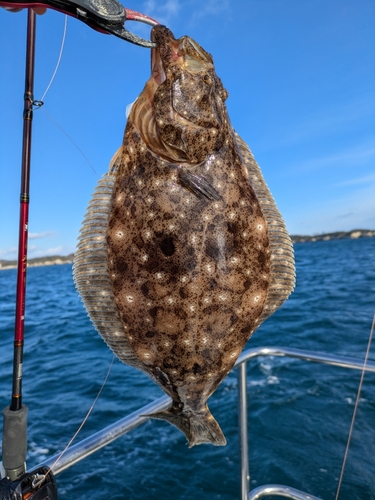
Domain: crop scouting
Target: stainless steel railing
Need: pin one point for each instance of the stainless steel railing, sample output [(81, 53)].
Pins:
[(329, 359), (102, 438)]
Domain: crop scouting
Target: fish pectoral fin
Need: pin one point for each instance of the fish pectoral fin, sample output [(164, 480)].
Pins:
[(199, 428), (198, 185)]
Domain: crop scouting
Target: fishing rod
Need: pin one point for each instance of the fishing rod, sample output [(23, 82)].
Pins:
[(108, 17), (17, 485)]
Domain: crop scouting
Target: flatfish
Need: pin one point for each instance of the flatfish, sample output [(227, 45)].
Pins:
[(182, 252)]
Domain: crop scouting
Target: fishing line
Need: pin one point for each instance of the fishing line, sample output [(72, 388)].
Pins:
[(71, 140), (355, 407), (40, 102), (41, 479)]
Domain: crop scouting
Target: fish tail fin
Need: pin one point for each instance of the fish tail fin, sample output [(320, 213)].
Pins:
[(198, 427)]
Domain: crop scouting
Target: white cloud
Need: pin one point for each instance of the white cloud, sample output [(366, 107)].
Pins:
[(365, 179), (163, 12), (353, 211), (41, 252), (46, 234), (353, 157), (8, 253), (211, 8), (326, 122)]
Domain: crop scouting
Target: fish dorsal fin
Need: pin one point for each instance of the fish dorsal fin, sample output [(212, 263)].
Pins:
[(283, 278), (90, 272)]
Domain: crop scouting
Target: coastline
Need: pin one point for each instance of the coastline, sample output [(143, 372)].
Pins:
[(68, 259)]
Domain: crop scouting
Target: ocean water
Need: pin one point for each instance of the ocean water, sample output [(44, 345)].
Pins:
[(299, 412)]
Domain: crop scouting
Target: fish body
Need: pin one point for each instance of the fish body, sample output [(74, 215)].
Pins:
[(182, 253)]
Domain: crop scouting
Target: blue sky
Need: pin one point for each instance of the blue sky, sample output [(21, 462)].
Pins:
[(301, 82)]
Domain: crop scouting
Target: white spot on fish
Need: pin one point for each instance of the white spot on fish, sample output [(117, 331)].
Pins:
[(260, 227), (183, 279), (209, 268), (145, 257), (130, 298), (170, 300)]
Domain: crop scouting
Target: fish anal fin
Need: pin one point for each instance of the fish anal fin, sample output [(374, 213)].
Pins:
[(198, 427)]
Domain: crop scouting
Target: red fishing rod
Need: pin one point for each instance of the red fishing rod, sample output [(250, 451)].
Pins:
[(14, 432)]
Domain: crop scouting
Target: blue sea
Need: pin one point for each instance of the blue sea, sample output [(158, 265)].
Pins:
[(299, 412)]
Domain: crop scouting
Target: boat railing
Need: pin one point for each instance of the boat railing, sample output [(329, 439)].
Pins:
[(102, 438)]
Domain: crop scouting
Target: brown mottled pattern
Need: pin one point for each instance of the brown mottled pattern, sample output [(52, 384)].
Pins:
[(189, 274)]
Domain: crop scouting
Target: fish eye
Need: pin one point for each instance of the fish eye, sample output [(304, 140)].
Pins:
[(207, 79)]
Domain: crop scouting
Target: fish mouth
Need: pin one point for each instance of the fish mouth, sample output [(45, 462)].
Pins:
[(184, 52)]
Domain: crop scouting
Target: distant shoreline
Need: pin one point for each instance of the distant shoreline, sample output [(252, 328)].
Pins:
[(68, 259), (338, 235)]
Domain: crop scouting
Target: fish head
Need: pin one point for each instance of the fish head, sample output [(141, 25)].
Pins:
[(189, 99)]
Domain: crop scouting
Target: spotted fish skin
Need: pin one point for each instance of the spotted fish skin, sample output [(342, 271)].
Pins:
[(193, 262)]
